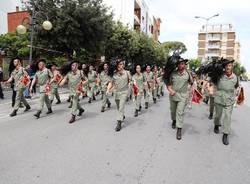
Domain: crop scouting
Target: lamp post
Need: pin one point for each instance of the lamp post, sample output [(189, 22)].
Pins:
[(21, 29), (207, 19)]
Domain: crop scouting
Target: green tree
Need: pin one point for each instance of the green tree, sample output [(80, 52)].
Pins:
[(194, 63), (77, 25), (122, 43), (174, 47), (14, 45)]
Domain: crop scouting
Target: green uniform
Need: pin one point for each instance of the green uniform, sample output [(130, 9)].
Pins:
[(43, 78), (161, 84), (149, 79), (139, 79), (211, 97), (74, 79), (92, 76), (121, 90), (224, 99), (156, 85), (179, 101), (19, 87), (54, 88), (104, 80)]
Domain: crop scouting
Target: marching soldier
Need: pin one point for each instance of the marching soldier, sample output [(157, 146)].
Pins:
[(54, 83), (224, 99), (21, 80), (160, 83), (156, 84), (104, 80), (120, 82), (149, 83), (92, 76), (208, 85), (138, 86), (42, 78), (178, 94), (76, 80)]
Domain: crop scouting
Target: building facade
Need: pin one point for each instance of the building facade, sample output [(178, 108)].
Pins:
[(15, 19), (216, 41), (136, 15)]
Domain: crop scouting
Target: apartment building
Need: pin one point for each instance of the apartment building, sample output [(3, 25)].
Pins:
[(135, 14), (15, 19), (216, 41)]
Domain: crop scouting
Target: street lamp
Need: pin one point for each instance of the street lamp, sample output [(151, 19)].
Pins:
[(21, 29), (207, 19)]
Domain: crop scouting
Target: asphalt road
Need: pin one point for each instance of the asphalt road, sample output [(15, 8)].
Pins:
[(51, 151)]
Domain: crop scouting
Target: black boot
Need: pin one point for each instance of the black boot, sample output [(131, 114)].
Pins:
[(13, 113), (140, 108), (70, 106), (94, 98), (21, 105), (216, 129), (119, 126), (89, 100), (73, 119), (178, 134), (109, 105), (37, 115), (174, 124), (102, 109), (210, 116), (68, 100), (154, 99), (136, 112), (58, 102), (225, 139), (158, 96), (81, 111), (124, 118), (27, 108), (146, 105), (49, 111)]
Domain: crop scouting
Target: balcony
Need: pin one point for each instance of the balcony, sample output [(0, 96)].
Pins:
[(212, 54), (214, 38), (213, 46), (137, 20)]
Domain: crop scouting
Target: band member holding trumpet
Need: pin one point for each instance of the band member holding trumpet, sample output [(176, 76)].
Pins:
[(104, 79), (138, 81), (42, 78), (57, 77), (120, 83), (76, 80), (21, 81)]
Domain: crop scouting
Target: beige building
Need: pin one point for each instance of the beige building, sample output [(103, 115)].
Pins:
[(216, 41)]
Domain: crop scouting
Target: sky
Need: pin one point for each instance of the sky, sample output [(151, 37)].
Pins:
[(179, 24)]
